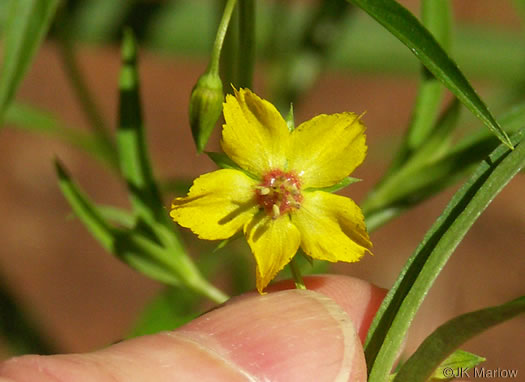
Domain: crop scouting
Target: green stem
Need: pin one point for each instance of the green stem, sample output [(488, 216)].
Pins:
[(246, 60), (209, 291), (296, 274), (219, 37)]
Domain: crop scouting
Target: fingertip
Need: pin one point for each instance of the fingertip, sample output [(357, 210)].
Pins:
[(284, 335), (358, 298)]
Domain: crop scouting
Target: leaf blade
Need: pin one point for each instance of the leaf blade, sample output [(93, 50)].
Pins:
[(401, 303), (437, 346), (403, 25), (131, 142), (28, 22)]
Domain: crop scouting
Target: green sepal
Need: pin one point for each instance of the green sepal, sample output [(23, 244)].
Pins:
[(290, 121), (224, 161), (345, 182), (225, 242)]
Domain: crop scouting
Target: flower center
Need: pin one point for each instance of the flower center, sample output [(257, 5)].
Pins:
[(279, 193)]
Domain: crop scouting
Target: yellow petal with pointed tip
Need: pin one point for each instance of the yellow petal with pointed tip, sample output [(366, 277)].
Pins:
[(332, 227), (255, 134), (218, 205), (273, 242), (327, 148)]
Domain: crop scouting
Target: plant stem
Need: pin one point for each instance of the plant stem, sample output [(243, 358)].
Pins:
[(296, 274), (213, 66)]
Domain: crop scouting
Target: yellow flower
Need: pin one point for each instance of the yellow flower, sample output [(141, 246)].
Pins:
[(279, 205)]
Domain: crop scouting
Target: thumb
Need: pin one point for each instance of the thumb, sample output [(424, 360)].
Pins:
[(282, 336)]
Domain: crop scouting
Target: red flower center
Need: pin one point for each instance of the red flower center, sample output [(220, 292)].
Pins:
[(279, 193)]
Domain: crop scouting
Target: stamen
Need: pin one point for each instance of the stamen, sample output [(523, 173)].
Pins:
[(279, 193)]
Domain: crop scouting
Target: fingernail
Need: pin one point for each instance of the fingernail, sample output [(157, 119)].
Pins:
[(285, 335)]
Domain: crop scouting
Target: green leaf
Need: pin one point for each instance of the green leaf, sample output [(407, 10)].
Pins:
[(403, 25), (30, 118), (27, 24), (395, 314), (460, 359), (422, 174), (171, 308), (412, 184), (336, 187), (84, 209), (133, 154), (151, 248), (135, 250), (116, 215), (436, 16), (449, 336)]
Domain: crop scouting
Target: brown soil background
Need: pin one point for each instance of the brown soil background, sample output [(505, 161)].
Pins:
[(85, 299)]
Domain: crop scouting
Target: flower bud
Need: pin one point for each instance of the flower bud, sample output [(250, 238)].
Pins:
[(205, 108)]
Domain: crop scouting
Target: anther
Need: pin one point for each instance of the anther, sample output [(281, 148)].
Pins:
[(264, 190), (276, 211)]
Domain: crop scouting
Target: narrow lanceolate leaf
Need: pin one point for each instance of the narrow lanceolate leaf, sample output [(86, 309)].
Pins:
[(137, 251), (445, 339), (133, 153), (27, 24), (391, 323), (403, 25), (436, 17), (32, 119), (148, 248), (84, 209), (460, 359)]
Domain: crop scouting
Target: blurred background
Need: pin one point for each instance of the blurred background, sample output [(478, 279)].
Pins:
[(83, 298)]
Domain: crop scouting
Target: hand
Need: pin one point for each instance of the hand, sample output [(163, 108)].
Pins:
[(285, 335)]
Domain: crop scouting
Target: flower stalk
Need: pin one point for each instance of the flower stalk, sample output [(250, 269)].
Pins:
[(207, 95)]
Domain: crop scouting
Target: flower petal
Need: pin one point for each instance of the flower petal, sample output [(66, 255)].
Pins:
[(255, 134), (327, 148), (332, 227), (218, 205), (273, 242)]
